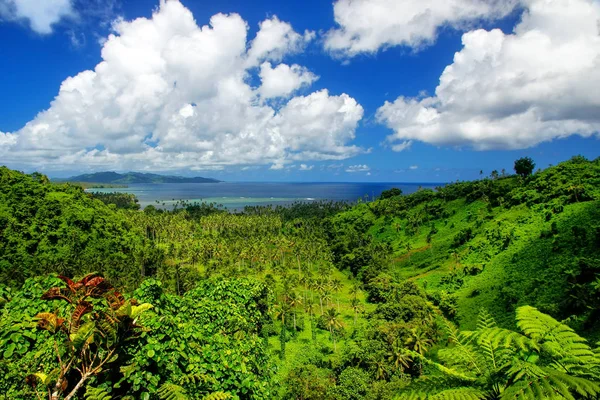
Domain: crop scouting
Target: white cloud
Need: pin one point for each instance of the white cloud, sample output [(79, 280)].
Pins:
[(365, 26), (169, 94), (512, 91), (40, 14), (283, 80), (304, 167), (413, 167), (274, 40), (6, 142), (358, 168), (402, 146)]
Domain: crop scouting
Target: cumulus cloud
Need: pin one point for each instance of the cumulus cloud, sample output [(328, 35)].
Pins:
[(512, 91), (274, 40), (169, 94), (41, 15), (304, 167), (365, 26), (358, 168), (283, 80), (413, 167)]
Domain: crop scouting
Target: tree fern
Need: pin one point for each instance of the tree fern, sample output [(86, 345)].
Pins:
[(548, 361), (544, 328)]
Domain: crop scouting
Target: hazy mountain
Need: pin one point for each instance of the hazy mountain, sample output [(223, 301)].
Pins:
[(136, 177)]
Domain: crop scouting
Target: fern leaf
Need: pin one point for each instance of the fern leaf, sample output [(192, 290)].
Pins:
[(197, 378), (218, 396), (462, 341), (445, 370), (485, 320), (170, 391), (459, 394), (97, 394)]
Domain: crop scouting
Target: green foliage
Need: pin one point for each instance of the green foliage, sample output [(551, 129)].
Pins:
[(549, 360), (393, 192), (524, 166), (59, 228), (313, 301), (97, 394), (170, 391), (125, 201)]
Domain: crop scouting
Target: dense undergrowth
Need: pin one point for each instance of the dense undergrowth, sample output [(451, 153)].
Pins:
[(472, 291)]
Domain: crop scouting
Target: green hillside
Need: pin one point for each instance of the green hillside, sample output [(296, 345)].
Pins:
[(478, 290)]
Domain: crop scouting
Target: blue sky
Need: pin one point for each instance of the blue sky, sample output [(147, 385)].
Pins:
[(204, 105)]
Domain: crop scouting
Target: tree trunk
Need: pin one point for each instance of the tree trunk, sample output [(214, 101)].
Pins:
[(76, 388), (321, 301)]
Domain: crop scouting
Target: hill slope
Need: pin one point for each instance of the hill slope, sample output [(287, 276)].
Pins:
[(495, 244)]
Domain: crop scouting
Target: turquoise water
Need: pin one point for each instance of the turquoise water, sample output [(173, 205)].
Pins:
[(236, 195)]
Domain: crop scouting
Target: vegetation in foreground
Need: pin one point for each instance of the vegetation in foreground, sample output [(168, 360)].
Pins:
[(479, 290)]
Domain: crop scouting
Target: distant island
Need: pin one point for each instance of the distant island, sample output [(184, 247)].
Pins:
[(114, 178)]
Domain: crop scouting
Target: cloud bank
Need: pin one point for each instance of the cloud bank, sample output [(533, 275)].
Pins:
[(170, 94), (366, 26), (512, 91)]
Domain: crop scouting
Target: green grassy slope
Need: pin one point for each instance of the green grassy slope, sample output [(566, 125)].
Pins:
[(539, 247)]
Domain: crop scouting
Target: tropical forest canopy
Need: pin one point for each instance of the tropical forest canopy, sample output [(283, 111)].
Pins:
[(487, 289)]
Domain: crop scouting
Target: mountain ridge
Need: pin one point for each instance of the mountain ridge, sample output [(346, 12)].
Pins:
[(112, 177)]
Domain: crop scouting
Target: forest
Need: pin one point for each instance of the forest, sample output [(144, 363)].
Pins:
[(487, 289)]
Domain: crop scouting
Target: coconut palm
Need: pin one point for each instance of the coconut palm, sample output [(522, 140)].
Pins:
[(357, 307), (333, 323)]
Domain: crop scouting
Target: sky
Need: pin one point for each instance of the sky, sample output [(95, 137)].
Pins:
[(312, 90)]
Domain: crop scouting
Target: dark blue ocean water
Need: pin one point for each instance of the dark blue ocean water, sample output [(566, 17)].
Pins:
[(236, 195)]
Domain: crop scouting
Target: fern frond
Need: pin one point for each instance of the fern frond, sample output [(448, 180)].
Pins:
[(97, 394), (197, 378), (462, 341), (534, 382), (218, 396), (463, 393), (504, 338), (485, 320), (170, 391), (445, 370), (460, 393), (544, 328)]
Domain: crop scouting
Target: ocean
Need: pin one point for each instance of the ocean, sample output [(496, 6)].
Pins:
[(236, 195)]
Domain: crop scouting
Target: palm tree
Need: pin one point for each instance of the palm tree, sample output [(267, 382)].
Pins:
[(294, 300), (333, 323), (357, 307), (309, 307), (354, 290), (399, 357), (326, 296), (418, 341), (282, 309), (336, 286)]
